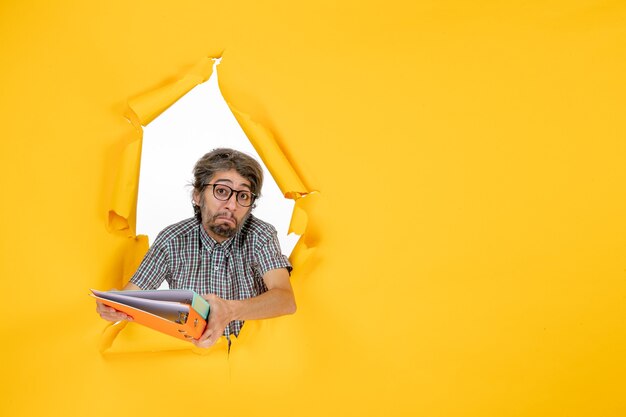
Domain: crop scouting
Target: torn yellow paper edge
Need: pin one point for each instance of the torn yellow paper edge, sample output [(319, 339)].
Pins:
[(141, 111), (151, 104), (125, 187), (277, 163)]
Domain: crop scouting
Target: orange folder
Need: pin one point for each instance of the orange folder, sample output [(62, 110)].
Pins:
[(172, 312)]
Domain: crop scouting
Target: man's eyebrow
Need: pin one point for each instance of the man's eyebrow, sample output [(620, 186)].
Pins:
[(231, 183)]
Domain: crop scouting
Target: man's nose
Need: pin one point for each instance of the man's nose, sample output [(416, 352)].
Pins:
[(231, 203)]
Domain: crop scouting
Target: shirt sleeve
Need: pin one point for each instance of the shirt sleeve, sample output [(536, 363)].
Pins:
[(270, 256), (154, 267)]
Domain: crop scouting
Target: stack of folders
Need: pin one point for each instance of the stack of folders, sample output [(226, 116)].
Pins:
[(179, 313)]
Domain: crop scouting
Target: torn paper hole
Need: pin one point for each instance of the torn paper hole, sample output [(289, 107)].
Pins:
[(172, 143), (280, 189)]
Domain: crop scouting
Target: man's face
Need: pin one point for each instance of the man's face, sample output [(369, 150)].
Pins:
[(222, 219)]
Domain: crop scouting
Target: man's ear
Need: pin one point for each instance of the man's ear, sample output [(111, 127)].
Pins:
[(196, 197)]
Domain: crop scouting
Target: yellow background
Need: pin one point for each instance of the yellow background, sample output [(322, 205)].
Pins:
[(468, 229)]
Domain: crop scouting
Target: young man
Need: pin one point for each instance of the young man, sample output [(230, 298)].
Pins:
[(224, 252)]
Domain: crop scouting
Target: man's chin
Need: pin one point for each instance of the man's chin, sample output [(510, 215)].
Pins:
[(223, 230)]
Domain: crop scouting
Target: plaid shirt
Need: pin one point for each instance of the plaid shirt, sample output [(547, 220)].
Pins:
[(186, 257)]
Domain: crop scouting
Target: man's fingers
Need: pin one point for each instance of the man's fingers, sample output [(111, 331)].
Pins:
[(208, 338), (206, 335), (111, 314), (206, 343), (102, 309), (121, 316), (116, 316)]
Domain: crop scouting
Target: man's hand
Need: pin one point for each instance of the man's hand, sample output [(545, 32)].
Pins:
[(220, 315), (278, 300), (111, 314)]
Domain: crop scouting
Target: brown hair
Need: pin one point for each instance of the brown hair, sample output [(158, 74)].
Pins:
[(224, 159)]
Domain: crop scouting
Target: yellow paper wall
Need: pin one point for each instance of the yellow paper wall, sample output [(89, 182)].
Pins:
[(469, 226)]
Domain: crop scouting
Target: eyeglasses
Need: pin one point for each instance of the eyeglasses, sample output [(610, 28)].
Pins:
[(223, 192)]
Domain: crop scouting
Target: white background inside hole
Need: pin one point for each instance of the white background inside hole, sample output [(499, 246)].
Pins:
[(172, 143)]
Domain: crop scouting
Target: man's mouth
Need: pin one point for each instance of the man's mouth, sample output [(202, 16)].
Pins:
[(226, 218)]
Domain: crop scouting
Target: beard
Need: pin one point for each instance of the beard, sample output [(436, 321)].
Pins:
[(225, 230)]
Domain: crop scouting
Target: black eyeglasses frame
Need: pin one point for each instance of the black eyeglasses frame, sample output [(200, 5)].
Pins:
[(252, 199)]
